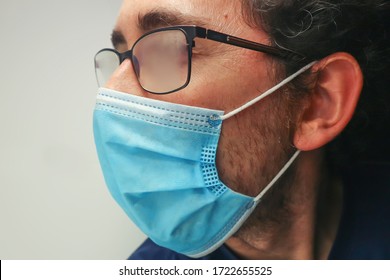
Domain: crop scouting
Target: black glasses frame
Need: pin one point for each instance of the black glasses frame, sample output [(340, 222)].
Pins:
[(191, 32)]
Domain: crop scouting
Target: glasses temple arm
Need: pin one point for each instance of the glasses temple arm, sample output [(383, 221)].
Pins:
[(231, 40)]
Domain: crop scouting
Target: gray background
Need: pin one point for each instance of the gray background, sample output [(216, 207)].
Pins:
[(53, 200)]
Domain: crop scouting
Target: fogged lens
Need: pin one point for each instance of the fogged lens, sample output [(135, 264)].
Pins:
[(106, 62), (162, 61)]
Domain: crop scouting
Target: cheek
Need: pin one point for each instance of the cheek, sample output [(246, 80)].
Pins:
[(227, 83), (252, 148)]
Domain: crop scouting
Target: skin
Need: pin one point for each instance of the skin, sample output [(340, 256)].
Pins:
[(298, 219)]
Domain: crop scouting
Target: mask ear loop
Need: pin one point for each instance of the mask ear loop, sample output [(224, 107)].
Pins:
[(280, 173), (268, 92)]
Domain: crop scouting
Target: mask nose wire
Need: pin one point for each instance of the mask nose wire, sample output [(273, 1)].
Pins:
[(268, 92)]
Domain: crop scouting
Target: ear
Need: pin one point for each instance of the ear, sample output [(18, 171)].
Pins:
[(332, 101)]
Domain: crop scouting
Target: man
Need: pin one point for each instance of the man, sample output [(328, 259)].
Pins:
[(225, 132)]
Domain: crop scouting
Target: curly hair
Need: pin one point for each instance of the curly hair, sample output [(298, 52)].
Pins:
[(317, 28)]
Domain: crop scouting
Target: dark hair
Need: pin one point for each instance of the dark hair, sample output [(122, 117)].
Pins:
[(317, 28)]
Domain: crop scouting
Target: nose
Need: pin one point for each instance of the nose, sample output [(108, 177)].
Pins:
[(125, 80)]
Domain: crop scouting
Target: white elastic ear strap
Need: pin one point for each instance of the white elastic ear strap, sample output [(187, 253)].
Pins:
[(268, 92), (280, 173)]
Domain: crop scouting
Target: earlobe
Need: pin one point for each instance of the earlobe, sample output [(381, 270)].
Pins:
[(331, 103)]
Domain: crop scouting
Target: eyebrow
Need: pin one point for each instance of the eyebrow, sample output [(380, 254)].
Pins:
[(117, 38), (154, 19), (162, 18)]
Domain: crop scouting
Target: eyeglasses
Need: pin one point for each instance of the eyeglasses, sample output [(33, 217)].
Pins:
[(162, 58)]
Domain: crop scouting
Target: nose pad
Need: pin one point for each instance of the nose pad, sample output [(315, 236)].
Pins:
[(124, 79)]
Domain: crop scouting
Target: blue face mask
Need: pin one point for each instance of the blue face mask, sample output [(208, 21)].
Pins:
[(158, 160)]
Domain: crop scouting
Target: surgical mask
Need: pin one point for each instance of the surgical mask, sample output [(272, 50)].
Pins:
[(158, 161)]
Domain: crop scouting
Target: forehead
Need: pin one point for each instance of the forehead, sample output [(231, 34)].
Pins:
[(222, 15)]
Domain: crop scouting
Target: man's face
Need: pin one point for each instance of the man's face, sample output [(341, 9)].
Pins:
[(252, 144)]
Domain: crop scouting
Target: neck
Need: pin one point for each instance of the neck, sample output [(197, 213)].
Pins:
[(305, 228)]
